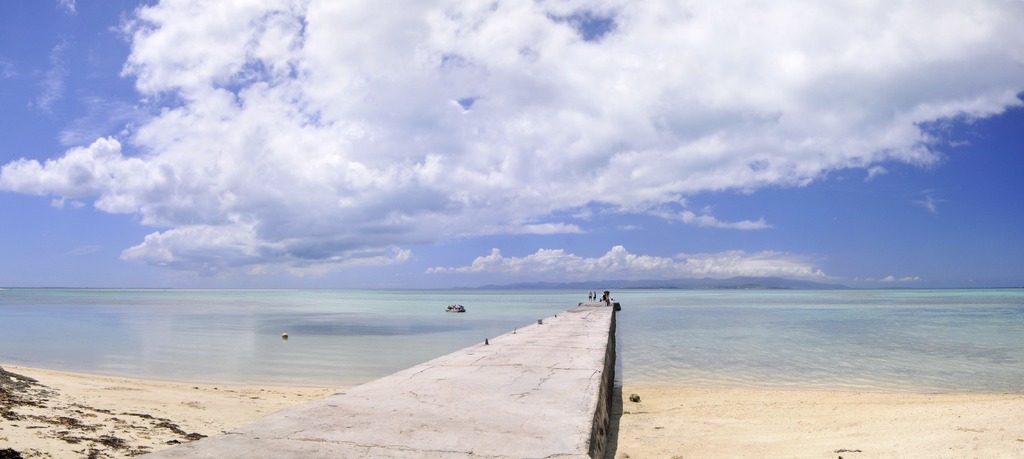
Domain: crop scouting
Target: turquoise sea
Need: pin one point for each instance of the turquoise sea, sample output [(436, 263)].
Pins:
[(920, 340)]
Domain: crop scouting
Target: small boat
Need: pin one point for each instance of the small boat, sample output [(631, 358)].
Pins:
[(456, 308)]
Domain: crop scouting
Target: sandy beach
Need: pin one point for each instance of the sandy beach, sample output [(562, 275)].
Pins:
[(54, 414), (677, 422)]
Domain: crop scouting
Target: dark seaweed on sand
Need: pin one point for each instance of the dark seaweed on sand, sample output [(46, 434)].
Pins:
[(18, 390)]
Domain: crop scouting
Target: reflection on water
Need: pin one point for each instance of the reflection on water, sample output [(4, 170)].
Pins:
[(964, 340), (336, 337), (941, 340)]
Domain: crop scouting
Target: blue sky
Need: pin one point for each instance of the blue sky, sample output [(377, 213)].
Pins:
[(305, 143)]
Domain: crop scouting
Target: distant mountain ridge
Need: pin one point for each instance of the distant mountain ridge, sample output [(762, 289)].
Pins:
[(732, 283)]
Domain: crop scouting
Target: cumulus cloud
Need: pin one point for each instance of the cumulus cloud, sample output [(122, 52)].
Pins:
[(313, 131), (619, 263), (96, 170)]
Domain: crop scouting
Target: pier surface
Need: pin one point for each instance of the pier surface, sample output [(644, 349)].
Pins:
[(541, 391)]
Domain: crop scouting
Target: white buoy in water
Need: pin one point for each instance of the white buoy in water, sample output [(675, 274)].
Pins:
[(284, 336)]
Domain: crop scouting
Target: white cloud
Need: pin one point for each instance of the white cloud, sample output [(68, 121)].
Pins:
[(7, 69), (96, 170), (68, 6), (890, 279), (53, 82), (928, 201), (550, 228), (296, 131), (60, 203), (102, 117), (710, 221), (875, 171), (83, 250), (761, 264), (619, 263)]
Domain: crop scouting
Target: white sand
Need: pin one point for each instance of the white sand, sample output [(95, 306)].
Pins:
[(111, 417), (731, 423), (107, 417)]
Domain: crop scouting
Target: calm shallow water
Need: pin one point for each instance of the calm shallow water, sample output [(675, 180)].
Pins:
[(930, 340), (942, 340), (336, 337)]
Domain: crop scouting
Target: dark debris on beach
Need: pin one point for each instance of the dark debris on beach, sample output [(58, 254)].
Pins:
[(9, 453), (19, 391)]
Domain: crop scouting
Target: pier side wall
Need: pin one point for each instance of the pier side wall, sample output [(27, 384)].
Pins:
[(602, 413)]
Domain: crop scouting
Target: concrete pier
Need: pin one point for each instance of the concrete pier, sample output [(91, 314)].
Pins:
[(541, 391)]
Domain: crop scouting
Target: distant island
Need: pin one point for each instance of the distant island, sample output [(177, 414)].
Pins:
[(732, 283)]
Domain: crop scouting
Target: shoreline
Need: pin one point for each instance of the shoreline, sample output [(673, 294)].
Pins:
[(57, 414)]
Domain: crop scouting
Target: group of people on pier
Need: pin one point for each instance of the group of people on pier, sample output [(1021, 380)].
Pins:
[(606, 298)]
